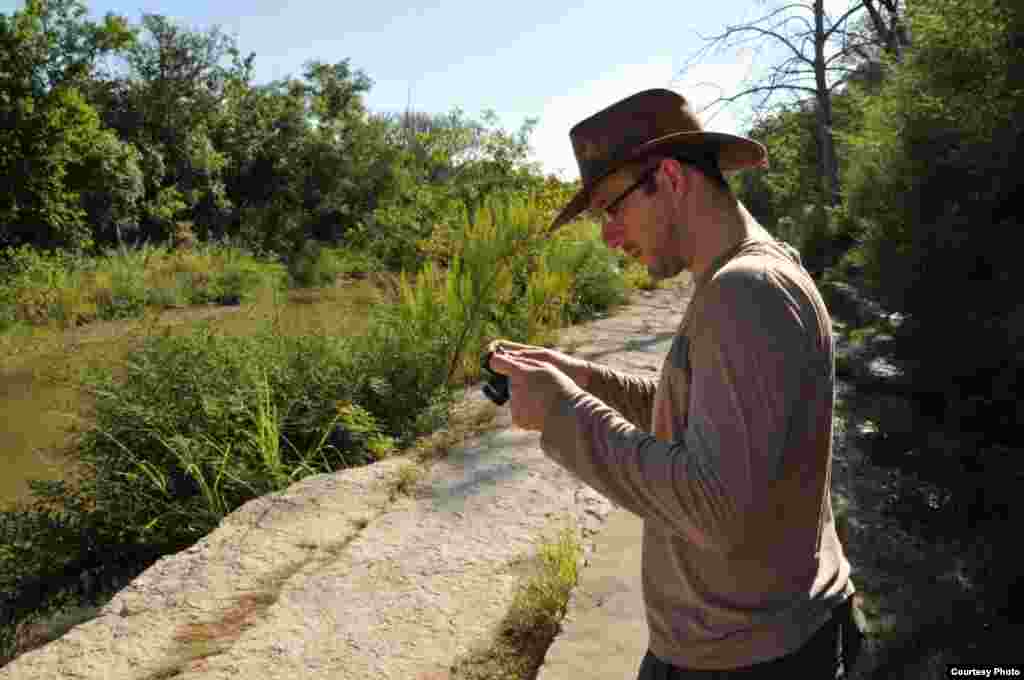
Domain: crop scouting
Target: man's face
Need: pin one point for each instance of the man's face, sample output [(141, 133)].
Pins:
[(648, 227)]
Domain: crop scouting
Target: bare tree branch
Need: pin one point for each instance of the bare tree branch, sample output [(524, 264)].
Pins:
[(855, 47), (780, 25), (807, 23), (755, 90), (876, 18), (842, 20), (891, 6), (772, 34), (822, 55), (783, 9), (837, 83)]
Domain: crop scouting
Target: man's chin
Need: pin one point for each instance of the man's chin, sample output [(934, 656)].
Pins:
[(659, 268)]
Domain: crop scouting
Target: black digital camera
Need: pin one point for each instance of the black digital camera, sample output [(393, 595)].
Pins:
[(496, 387)]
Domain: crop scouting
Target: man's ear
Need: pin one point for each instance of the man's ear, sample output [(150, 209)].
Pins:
[(678, 174)]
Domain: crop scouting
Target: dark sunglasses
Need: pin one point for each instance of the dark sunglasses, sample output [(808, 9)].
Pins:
[(607, 212)]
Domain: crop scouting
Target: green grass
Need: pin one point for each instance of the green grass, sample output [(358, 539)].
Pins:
[(317, 265), (524, 635), (68, 290)]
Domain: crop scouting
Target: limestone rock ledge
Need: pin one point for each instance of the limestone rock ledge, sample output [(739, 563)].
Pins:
[(330, 579)]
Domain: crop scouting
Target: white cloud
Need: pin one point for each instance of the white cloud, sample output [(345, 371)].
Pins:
[(550, 140)]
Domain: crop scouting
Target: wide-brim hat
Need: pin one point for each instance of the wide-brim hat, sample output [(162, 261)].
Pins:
[(649, 122)]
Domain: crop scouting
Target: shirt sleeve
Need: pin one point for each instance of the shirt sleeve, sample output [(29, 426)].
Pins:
[(748, 352), (630, 395)]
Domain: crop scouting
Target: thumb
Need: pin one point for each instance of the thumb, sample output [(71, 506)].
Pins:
[(508, 365)]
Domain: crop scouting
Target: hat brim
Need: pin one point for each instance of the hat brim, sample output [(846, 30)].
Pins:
[(734, 153)]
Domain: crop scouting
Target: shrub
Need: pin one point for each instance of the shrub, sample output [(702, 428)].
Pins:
[(935, 162), (313, 265), (127, 291), (933, 186), (597, 280), (237, 281), (72, 289), (317, 265), (402, 367)]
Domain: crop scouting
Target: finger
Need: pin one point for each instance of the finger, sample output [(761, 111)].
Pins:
[(531, 361), (544, 354), (502, 364), (506, 345), (513, 366)]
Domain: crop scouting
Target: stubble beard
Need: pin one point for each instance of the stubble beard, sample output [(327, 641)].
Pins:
[(665, 265)]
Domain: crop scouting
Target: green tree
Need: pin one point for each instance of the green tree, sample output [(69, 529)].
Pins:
[(450, 165), (50, 44), (786, 197), (821, 51), (932, 183), (62, 172), (304, 160), (345, 155), (111, 188), (168, 103)]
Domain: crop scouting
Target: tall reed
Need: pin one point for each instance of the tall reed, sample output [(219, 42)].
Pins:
[(507, 277)]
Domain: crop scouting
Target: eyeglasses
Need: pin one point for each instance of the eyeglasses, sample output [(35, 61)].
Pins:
[(606, 213)]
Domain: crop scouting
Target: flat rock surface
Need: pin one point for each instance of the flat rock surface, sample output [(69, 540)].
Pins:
[(333, 579)]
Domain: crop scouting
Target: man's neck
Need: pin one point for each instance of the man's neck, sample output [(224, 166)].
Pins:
[(730, 225)]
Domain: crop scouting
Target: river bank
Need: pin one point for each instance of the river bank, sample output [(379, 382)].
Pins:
[(455, 546), (39, 391)]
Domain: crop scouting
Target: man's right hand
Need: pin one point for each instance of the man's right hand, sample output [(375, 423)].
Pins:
[(579, 370)]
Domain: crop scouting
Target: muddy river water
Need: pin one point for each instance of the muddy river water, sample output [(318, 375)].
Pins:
[(40, 402)]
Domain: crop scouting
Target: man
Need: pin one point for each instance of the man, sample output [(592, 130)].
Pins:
[(727, 457)]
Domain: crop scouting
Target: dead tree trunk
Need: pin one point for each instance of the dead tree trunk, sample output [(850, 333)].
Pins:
[(827, 162)]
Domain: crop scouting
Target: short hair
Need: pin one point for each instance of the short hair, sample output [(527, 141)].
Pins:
[(706, 162)]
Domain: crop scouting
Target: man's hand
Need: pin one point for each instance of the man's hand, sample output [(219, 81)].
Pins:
[(578, 370), (536, 388)]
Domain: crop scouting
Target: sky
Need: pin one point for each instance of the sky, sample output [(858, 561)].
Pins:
[(559, 61)]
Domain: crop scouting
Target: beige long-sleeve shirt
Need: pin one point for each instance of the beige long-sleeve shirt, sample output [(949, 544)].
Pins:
[(727, 458)]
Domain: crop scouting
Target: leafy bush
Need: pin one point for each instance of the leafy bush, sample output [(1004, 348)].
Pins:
[(56, 552), (932, 182), (238, 280), (787, 198), (933, 186), (127, 294), (396, 230), (401, 374), (73, 289), (33, 281), (597, 280), (318, 265), (199, 424)]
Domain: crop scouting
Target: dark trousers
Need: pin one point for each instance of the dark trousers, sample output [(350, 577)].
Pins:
[(828, 655)]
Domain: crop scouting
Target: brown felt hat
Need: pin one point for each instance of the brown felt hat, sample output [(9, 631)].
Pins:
[(649, 122)]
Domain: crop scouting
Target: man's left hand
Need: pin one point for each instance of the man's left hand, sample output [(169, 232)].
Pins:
[(536, 388)]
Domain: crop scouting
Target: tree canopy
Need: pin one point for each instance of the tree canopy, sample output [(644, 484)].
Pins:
[(181, 135)]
